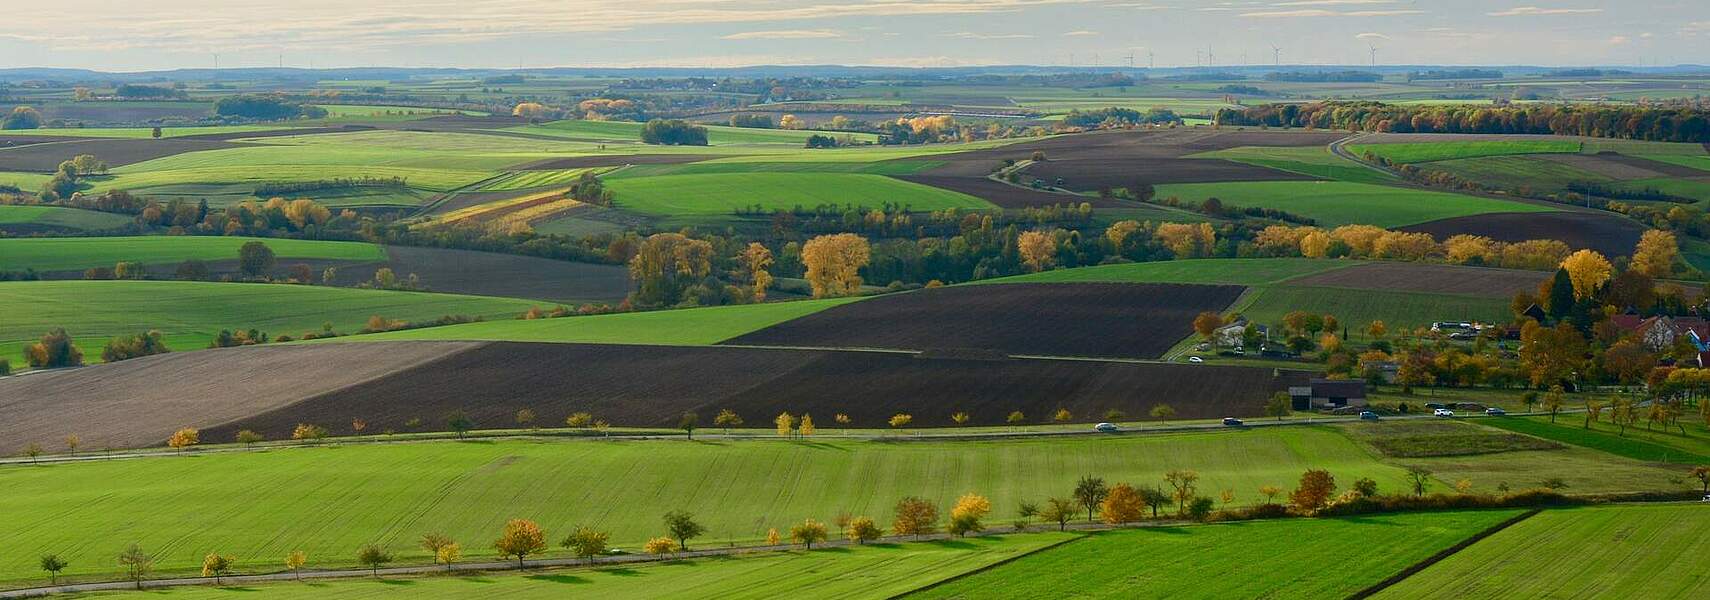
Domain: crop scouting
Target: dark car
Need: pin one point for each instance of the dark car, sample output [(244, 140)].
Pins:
[(1367, 415), (1232, 422)]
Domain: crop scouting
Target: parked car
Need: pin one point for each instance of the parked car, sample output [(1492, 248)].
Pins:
[(1195, 359), (1495, 412), (1107, 427), (1366, 415), (1443, 412), (1232, 422)]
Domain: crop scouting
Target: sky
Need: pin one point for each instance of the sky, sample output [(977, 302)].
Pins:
[(137, 35)]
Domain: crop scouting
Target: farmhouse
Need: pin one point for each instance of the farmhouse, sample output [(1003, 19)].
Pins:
[(1328, 393), (1661, 331)]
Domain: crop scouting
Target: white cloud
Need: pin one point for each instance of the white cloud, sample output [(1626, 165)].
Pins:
[(786, 34), (970, 35), (1331, 2), (1080, 33), (1619, 40), (1534, 11), (1319, 12), (1371, 36)]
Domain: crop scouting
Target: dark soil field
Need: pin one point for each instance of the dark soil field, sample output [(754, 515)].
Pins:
[(1609, 234), (13, 141), (612, 160), (1435, 279), (1003, 194), (1613, 166), (44, 158), (1112, 320), (140, 402), (492, 274), (104, 113), (654, 385), (1661, 169)]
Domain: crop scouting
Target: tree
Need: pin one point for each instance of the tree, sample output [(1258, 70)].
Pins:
[(1015, 419), (308, 432), (357, 426), (53, 351), (1316, 486), (1418, 478), (53, 564), (579, 420), (294, 563), (1702, 474), (525, 418), (772, 538), (184, 438), (1270, 492), (1377, 329), (1154, 498), (786, 424), (683, 527), (448, 554), (1163, 412), (255, 259), (834, 262), (688, 422), (666, 265), (247, 437), (1037, 249), (1059, 510), (959, 418), (914, 516), (72, 442), (1122, 505), (156, 133), (1553, 401), (586, 542), (1588, 270), (842, 419), (1090, 492), (373, 556), (1062, 415), (805, 427), (1656, 254), (966, 514), (459, 422), (433, 542), (22, 117), (727, 419), (1279, 406), (808, 532), (137, 564), (216, 566), (1199, 509), (901, 420), (520, 538), (673, 132), (660, 545), (1366, 487), (1207, 323), (862, 530), (1184, 482)]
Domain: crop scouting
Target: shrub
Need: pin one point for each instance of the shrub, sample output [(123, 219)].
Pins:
[(134, 346), (674, 132), (55, 350)]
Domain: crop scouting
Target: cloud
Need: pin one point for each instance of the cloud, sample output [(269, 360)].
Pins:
[(1319, 12), (1533, 11), (1619, 40), (1331, 2), (1371, 36), (970, 35), (786, 34), (1080, 33)]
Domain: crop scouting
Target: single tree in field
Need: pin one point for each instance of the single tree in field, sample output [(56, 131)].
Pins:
[(688, 422), (862, 530), (843, 419), (586, 542), (33, 451), (1702, 474), (216, 566), (1122, 505), (1270, 492), (1184, 482), (1366, 487), (1199, 509), (247, 437), (1062, 416), (1226, 497), (294, 563), (808, 532), (448, 554), (1206, 324), (184, 438), (1593, 410), (1418, 478), (137, 564), (1163, 412), (579, 420), (660, 545), (1115, 414), (373, 556), (1279, 406), (525, 418), (53, 564), (1059, 510), (1316, 487), (914, 516), (459, 422), (72, 442), (727, 419), (966, 514), (834, 262), (432, 542), (521, 538), (156, 133), (255, 259), (901, 420), (1015, 419), (806, 427), (772, 537), (786, 424), (308, 432), (959, 418), (683, 527), (357, 426), (1553, 401), (1155, 498), (1090, 491)]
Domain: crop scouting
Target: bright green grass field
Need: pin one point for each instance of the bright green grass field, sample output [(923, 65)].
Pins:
[(28, 182), (721, 194), (528, 180), (1697, 188), (1412, 153), (895, 167), (1295, 558), (1313, 161), (61, 254), (1234, 271), (1619, 552), (1356, 308), (190, 313), (683, 327), (328, 501), (1661, 444), (1700, 162), (871, 571), (61, 217), (1334, 203), (246, 177)]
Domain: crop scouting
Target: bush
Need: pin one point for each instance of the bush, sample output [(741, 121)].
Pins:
[(265, 108), (5, 367), (134, 346), (55, 350), (674, 132)]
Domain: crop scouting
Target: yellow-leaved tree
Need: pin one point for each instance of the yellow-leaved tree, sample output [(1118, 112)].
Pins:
[(184, 438), (1656, 253), (521, 538), (834, 264), (805, 426), (966, 514), (1587, 270), (1122, 505), (1037, 249), (1315, 244), (786, 424), (758, 260)]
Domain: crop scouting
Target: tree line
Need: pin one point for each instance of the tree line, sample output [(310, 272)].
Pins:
[(1653, 123)]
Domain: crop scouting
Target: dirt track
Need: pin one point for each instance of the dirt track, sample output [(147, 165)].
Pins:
[(140, 402), (1113, 320), (1610, 234), (1435, 279)]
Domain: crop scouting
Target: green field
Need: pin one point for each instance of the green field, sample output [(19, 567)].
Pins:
[(1662, 444), (1697, 188), (58, 217), (1514, 172), (1700, 161), (1314, 161), (528, 180), (190, 313), (871, 571), (30, 183), (1297, 558), (895, 167), (259, 506), (1414, 153), (623, 131), (1651, 552), (1356, 308), (681, 327), (64, 254), (1333, 203), (721, 194), (1232, 271)]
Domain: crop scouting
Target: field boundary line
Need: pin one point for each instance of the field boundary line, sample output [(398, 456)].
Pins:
[(966, 574), (1442, 555)]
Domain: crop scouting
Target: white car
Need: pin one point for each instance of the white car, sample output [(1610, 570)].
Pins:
[(1195, 359), (1443, 412), (1107, 427)]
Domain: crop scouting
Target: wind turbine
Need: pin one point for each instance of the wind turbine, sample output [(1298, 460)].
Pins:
[(1276, 56), (1130, 58), (1149, 62), (1374, 53)]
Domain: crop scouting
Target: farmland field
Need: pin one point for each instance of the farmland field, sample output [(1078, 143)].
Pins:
[(720, 194), (1334, 203), (1613, 235), (617, 131), (1262, 559), (55, 218), (1312, 161), (1088, 319), (1637, 442), (182, 508), (871, 571), (1603, 552), (1228, 271), (528, 180), (1356, 308), (1428, 278), (58, 254), (691, 327), (1413, 153)]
